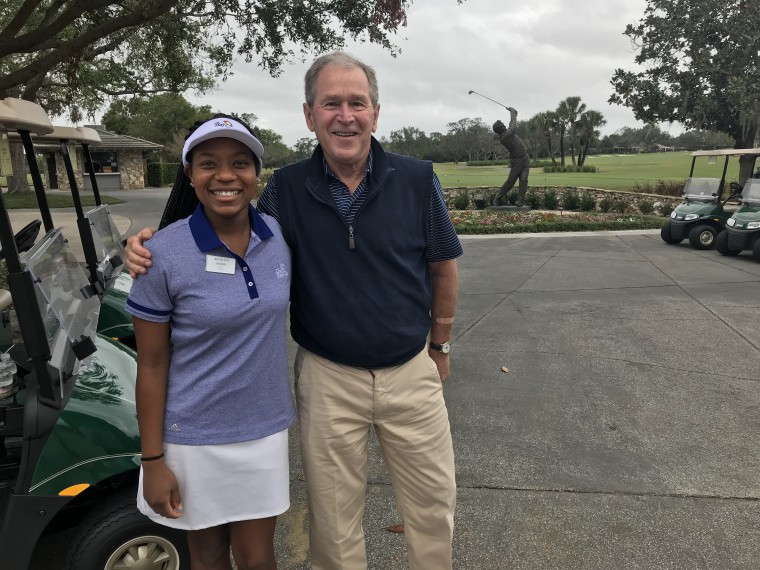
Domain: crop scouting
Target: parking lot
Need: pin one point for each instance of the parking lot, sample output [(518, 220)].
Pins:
[(624, 434)]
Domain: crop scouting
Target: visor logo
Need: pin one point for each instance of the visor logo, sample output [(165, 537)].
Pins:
[(226, 124)]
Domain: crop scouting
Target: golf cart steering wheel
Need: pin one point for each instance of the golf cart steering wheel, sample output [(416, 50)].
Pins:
[(26, 237)]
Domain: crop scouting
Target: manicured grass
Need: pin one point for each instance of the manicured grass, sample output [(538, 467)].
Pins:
[(28, 200), (615, 172)]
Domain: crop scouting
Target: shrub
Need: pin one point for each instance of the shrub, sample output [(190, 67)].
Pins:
[(646, 206), (665, 209), (620, 205), (587, 202), (162, 173), (605, 204), (570, 200), (461, 201), (662, 187), (512, 198), (550, 199), (533, 199), (487, 162)]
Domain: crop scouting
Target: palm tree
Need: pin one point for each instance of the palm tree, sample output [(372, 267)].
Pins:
[(588, 124), (562, 115), (572, 109)]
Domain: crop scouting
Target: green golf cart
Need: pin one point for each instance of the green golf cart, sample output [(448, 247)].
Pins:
[(69, 442), (702, 214), (743, 228)]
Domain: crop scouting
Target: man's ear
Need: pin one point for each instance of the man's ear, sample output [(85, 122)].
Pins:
[(308, 116)]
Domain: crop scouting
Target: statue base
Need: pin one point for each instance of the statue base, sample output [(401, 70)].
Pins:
[(509, 208)]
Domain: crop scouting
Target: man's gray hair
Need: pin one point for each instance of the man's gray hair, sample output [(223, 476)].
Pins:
[(342, 59)]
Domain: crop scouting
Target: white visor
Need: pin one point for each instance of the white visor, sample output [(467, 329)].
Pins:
[(223, 128)]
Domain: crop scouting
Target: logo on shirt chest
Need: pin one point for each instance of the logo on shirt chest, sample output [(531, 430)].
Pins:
[(281, 271)]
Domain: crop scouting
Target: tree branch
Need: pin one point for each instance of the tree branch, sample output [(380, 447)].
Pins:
[(22, 16), (45, 62), (29, 42)]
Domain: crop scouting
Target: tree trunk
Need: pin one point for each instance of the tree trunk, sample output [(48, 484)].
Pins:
[(562, 147), (18, 182), (746, 161), (548, 136), (572, 144)]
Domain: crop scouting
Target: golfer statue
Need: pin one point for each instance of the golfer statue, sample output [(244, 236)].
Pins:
[(519, 160)]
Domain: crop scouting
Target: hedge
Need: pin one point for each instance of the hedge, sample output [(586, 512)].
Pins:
[(162, 173)]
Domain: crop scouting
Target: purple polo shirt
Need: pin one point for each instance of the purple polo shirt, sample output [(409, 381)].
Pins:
[(228, 374)]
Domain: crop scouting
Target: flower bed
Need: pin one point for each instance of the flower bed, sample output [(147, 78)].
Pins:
[(490, 222)]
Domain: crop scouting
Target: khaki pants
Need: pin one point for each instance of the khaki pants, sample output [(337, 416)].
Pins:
[(336, 406)]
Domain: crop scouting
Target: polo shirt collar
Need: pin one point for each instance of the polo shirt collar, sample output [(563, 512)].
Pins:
[(367, 170), (205, 237)]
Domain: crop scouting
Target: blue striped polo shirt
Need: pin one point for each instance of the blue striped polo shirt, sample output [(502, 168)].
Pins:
[(443, 243), (228, 374)]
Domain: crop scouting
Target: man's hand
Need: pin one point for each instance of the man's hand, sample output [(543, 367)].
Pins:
[(441, 361), (138, 258), (512, 110)]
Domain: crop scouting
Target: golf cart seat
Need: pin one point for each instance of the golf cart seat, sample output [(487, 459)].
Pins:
[(25, 237), (17, 114)]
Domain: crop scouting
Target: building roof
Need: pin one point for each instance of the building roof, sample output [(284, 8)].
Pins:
[(113, 141)]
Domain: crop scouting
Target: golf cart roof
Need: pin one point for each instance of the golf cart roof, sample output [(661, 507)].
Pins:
[(73, 134), (727, 152), (17, 114), (78, 135)]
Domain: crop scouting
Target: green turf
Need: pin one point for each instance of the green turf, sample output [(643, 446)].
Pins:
[(28, 200), (615, 172)]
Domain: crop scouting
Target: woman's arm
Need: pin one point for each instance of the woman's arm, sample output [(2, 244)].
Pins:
[(160, 486)]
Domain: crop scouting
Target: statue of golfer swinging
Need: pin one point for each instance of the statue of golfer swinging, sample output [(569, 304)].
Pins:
[(519, 161)]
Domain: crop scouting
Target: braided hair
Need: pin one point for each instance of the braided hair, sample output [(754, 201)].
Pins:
[(182, 199)]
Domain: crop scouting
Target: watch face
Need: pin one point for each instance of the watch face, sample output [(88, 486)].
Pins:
[(445, 348)]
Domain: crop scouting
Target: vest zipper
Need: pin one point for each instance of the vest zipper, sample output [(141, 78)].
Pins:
[(351, 244)]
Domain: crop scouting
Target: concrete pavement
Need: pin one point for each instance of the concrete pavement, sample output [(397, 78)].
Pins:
[(624, 435)]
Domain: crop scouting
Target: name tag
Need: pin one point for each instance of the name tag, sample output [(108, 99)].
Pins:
[(219, 264)]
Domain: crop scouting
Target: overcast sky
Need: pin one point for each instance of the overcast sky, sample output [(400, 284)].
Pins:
[(529, 55)]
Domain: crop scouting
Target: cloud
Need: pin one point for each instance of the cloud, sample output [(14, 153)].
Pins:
[(529, 55)]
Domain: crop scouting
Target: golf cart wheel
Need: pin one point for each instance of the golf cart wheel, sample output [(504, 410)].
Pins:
[(721, 244), (756, 249), (702, 236), (667, 236), (117, 536)]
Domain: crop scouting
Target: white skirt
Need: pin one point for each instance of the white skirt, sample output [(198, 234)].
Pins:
[(226, 483)]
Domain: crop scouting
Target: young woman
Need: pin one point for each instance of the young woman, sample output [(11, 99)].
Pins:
[(213, 397)]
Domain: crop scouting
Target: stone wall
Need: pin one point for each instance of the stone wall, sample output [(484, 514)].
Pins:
[(485, 193), (132, 169), (63, 178)]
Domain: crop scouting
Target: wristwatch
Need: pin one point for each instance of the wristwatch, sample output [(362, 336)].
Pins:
[(444, 348)]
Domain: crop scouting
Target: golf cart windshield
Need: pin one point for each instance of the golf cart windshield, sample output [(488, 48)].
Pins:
[(751, 192), (62, 293), (701, 189), (107, 240)]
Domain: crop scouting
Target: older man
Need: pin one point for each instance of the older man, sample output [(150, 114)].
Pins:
[(374, 275)]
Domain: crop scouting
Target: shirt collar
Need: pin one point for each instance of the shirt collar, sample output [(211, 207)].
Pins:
[(205, 237), (367, 171)]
